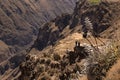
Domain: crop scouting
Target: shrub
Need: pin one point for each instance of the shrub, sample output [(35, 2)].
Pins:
[(94, 2), (105, 61), (48, 61), (56, 57)]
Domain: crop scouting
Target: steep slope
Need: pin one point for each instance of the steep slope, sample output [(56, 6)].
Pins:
[(113, 31), (5, 51), (45, 58), (56, 62), (48, 58), (20, 18), (20, 21), (101, 16), (114, 73)]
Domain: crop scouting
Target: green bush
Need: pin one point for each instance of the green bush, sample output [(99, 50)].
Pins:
[(94, 2)]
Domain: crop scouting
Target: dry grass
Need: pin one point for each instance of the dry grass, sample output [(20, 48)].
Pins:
[(114, 72), (94, 2), (105, 61)]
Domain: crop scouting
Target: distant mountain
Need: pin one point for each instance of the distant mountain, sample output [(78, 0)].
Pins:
[(54, 55), (20, 21), (46, 58)]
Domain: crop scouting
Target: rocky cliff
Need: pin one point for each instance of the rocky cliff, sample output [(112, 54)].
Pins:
[(20, 21), (54, 55), (101, 16)]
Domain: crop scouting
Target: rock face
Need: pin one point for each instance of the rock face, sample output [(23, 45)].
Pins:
[(101, 17), (53, 66), (6, 62), (48, 54), (51, 31), (21, 20), (47, 57), (5, 51)]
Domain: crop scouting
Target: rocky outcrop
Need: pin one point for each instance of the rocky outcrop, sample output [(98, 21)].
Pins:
[(101, 17), (44, 61), (20, 22), (52, 65), (8, 58), (5, 51), (51, 31), (51, 60)]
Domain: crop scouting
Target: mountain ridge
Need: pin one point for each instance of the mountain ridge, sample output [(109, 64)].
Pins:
[(53, 60), (19, 25)]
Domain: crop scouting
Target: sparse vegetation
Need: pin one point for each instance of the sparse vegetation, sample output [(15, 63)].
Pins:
[(71, 64), (105, 61), (56, 57), (95, 2)]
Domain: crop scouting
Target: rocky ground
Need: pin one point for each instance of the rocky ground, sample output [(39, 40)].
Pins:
[(56, 55), (20, 22), (63, 60)]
